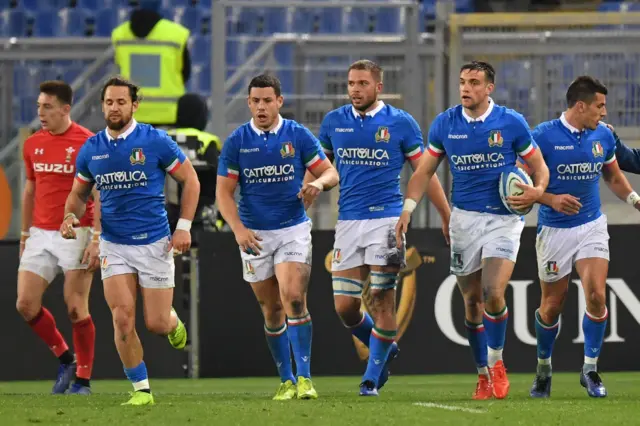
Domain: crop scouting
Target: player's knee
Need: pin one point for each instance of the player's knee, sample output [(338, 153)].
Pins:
[(473, 303), (273, 311), (28, 308), (294, 302), (77, 308), (596, 301), (124, 318), (159, 324), (348, 309)]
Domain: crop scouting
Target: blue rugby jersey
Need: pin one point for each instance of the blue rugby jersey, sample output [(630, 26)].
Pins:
[(575, 160), (130, 173), (479, 150), (270, 169), (370, 153)]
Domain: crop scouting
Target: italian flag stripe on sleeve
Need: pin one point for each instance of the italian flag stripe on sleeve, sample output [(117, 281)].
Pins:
[(312, 161), (326, 147), (414, 152), (435, 149), (173, 166), (232, 171), (82, 178), (610, 160), (527, 150)]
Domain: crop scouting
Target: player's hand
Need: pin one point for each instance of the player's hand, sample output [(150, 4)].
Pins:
[(528, 198), (180, 242), (23, 242), (445, 231), (248, 241), (66, 229), (567, 204), (609, 126), (309, 193), (91, 256), (401, 227)]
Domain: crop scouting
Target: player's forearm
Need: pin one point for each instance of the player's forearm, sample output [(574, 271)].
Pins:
[(418, 185), (546, 199), (308, 177), (28, 202), (189, 199), (620, 186), (328, 179), (229, 210), (540, 177), (75, 204), (436, 194), (97, 214)]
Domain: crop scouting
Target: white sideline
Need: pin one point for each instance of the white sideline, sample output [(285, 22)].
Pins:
[(449, 407)]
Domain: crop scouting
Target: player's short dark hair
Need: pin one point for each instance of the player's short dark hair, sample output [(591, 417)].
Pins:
[(119, 81), (366, 65), (584, 88), (59, 89), (486, 67), (266, 80)]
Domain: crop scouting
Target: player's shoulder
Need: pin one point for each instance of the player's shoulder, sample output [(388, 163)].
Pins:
[(240, 132), (397, 114), (340, 113), (81, 131), (146, 132), (446, 117), (509, 116), (297, 129), (603, 131), (546, 127), (36, 137)]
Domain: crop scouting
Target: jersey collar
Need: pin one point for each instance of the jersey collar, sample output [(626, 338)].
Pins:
[(482, 118), (566, 124), (126, 134), (371, 113), (275, 130)]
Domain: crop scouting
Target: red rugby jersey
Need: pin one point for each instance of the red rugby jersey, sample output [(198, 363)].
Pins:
[(50, 161)]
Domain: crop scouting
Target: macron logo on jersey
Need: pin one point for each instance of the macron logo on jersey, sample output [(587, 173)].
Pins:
[(249, 150), (54, 168), (450, 136), (344, 130)]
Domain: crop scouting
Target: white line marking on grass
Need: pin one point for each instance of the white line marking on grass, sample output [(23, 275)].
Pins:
[(450, 407)]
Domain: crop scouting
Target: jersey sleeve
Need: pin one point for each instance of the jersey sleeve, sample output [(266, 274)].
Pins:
[(169, 153), (312, 152), (435, 141), (229, 161), (610, 151), (524, 143), (28, 164), (83, 174), (325, 135), (412, 140)]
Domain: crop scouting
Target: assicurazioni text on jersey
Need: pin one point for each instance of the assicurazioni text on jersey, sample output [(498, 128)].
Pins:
[(370, 152), (575, 160), (130, 174), (479, 150), (270, 168)]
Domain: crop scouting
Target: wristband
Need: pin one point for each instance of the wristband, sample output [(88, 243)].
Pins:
[(633, 198), (184, 225), (25, 233), (409, 205), (317, 185), (68, 215)]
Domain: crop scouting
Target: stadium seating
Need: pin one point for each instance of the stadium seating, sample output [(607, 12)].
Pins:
[(86, 18)]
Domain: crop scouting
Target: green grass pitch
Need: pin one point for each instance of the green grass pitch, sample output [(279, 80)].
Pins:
[(405, 400)]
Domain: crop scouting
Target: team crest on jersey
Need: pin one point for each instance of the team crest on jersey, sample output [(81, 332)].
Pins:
[(597, 149), (551, 268), (495, 138), (249, 268), (287, 150), (137, 157), (383, 135), (337, 255), (69, 151)]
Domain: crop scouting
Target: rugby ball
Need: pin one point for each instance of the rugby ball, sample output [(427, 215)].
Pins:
[(508, 187)]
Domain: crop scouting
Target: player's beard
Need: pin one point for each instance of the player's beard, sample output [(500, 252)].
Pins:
[(368, 105), (118, 125)]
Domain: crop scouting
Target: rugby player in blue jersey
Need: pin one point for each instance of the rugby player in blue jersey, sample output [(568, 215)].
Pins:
[(572, 230), (267, 158), (128, 163), (481, 140), (370, 142)]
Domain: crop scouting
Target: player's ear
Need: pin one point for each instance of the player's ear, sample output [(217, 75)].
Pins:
[(280, 100), (135, 105), (490, 88), (379, 86), (66, 108)]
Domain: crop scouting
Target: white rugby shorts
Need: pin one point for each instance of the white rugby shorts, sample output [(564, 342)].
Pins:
[(558, 249), (47, 254), (153, 263), (476, 236), (290, 244), (367, 242)]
